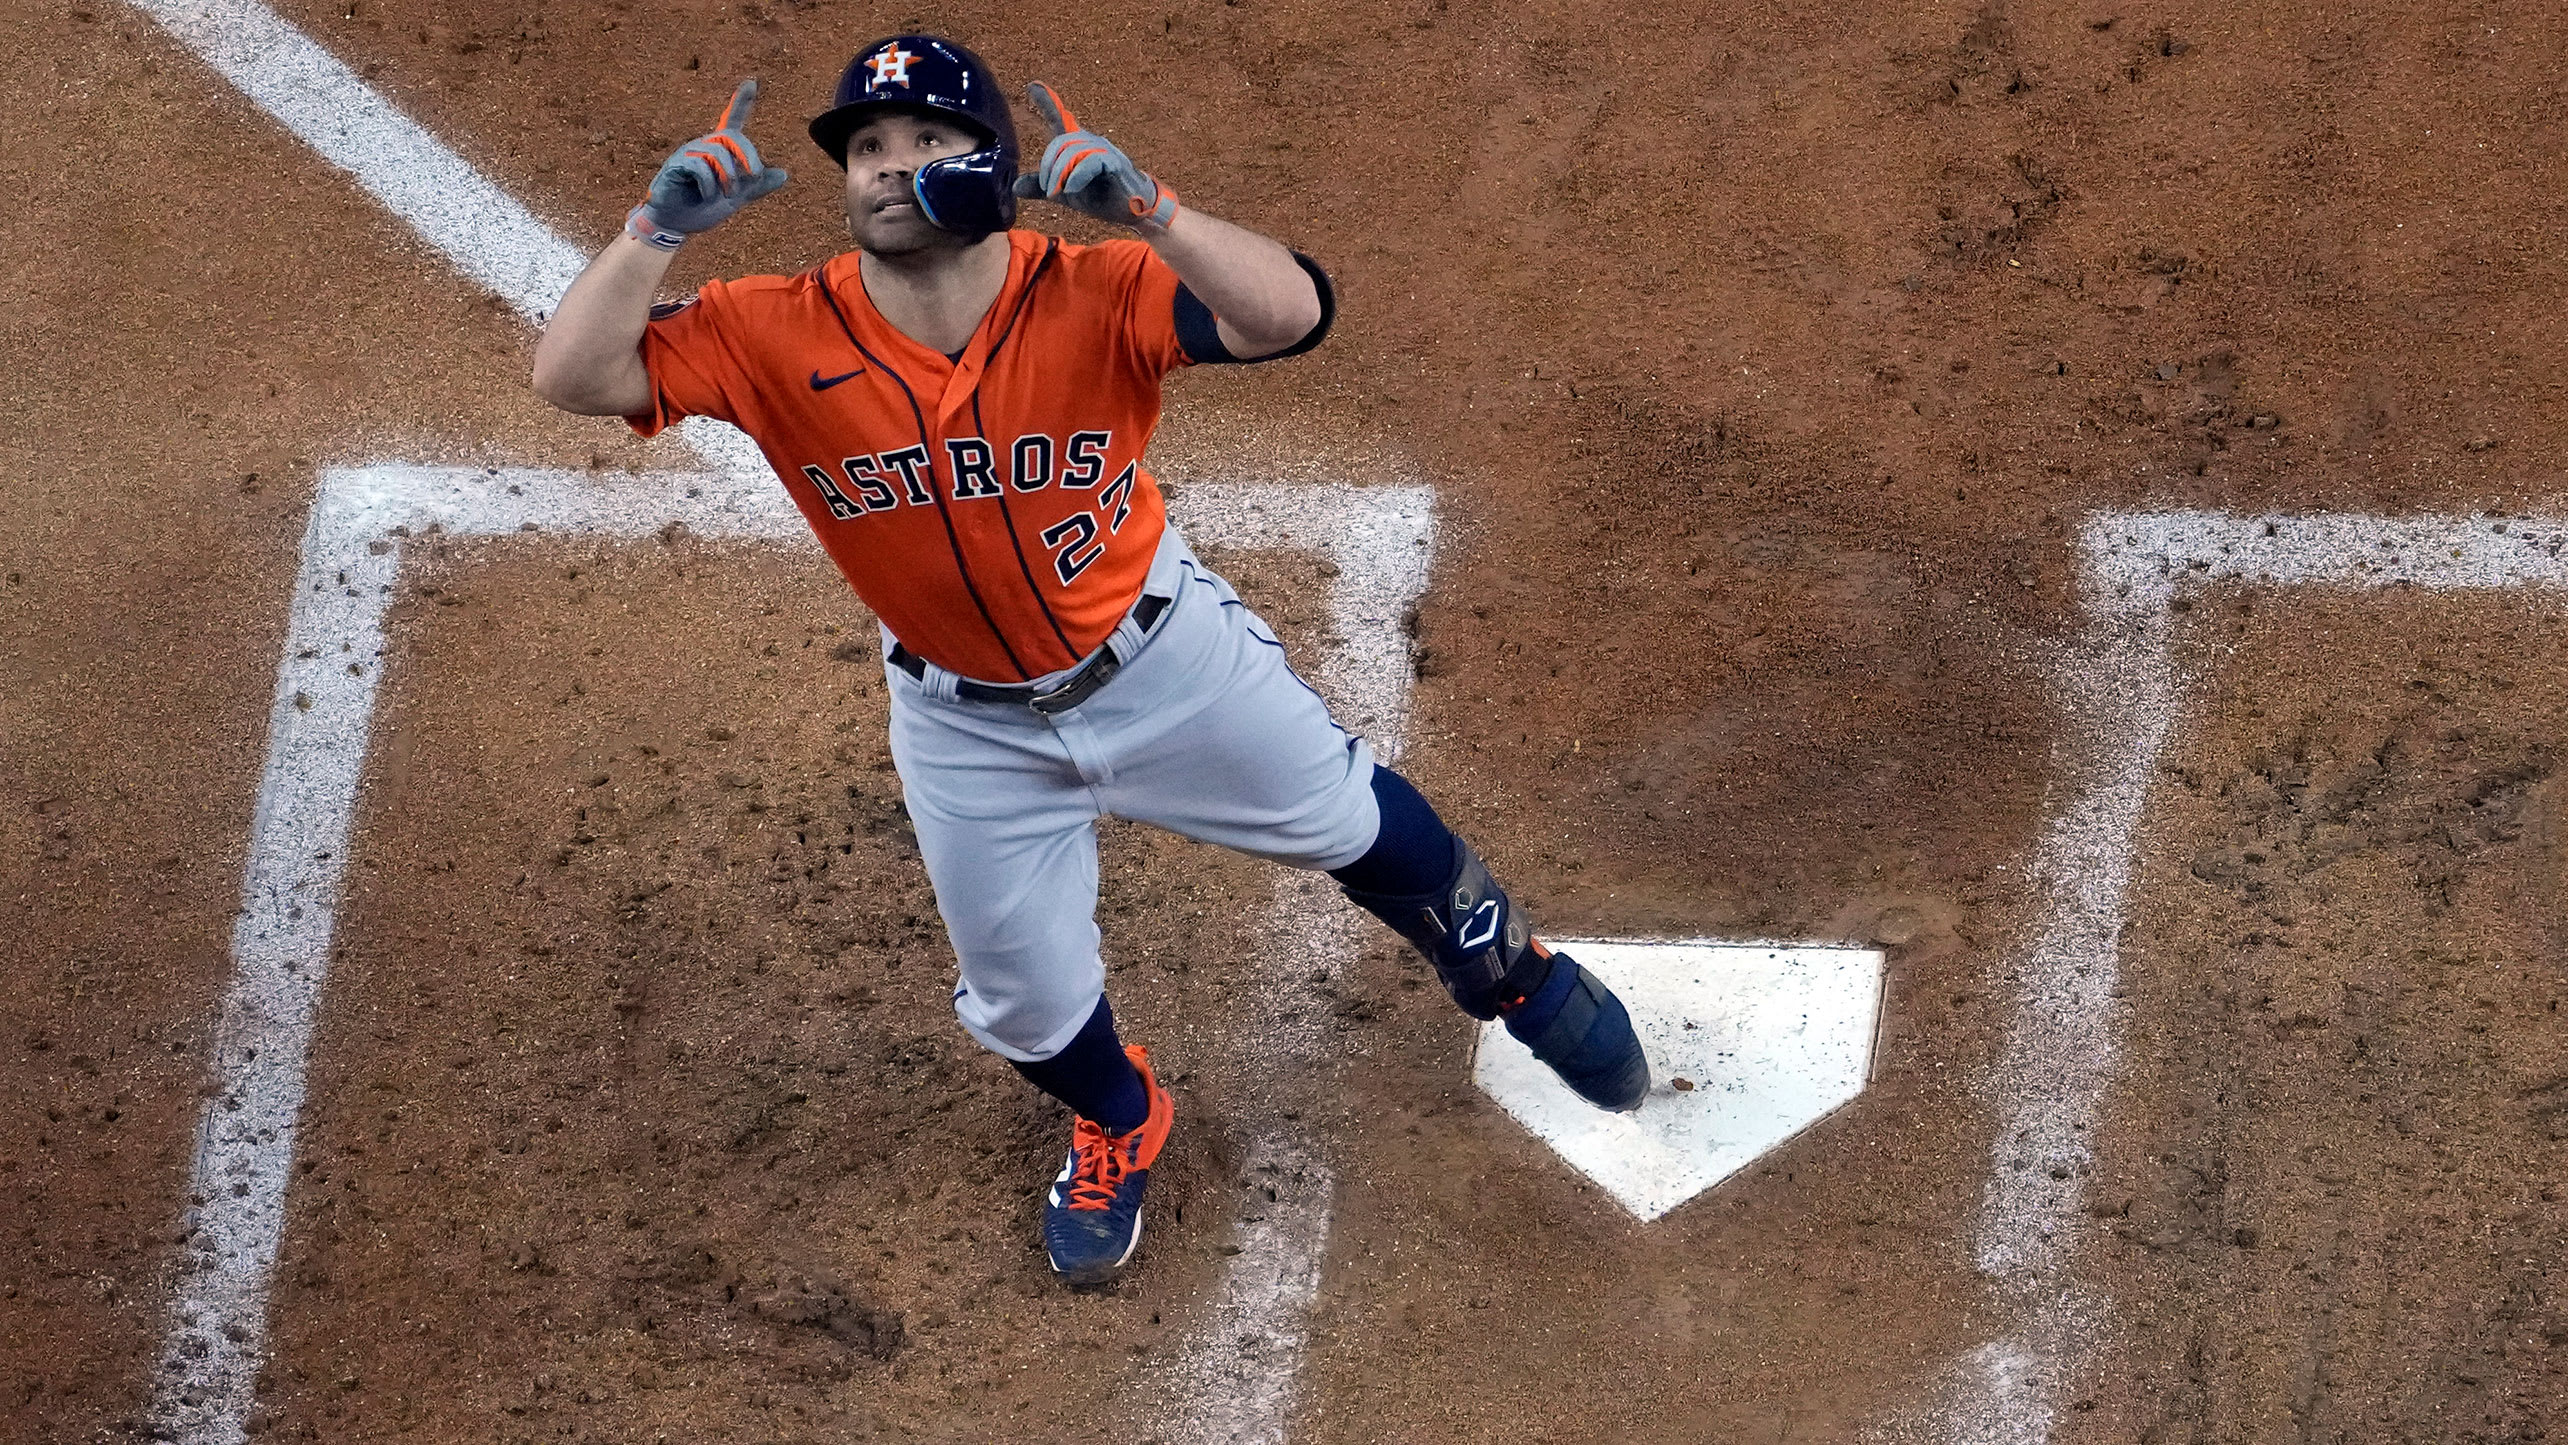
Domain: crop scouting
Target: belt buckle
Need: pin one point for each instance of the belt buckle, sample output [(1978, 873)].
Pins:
[(1082, 685)]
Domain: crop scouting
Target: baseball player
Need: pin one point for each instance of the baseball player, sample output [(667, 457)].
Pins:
[(960, 409)]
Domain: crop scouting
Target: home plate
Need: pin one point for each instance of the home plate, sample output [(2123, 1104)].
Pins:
[(1772, 1038)]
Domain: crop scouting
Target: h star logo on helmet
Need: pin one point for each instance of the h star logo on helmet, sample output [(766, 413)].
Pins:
[(891, 67)]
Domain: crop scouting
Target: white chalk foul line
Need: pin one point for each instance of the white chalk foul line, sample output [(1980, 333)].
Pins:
[(477, 227), (2118, 686), (480, 228)]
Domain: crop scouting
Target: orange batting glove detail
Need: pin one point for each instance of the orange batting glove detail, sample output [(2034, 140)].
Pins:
[(1089, 173)]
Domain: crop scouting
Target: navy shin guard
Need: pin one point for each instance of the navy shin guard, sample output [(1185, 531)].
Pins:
[(1479, 946), (1492, 965)]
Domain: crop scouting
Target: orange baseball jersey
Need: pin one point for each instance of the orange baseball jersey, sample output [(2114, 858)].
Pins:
[(992, 510)]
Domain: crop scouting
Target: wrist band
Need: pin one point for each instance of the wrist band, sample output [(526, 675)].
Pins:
[(1161, 210), (638, 225)]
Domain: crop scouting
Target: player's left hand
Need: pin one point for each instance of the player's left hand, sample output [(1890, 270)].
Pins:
[(1087, 172)]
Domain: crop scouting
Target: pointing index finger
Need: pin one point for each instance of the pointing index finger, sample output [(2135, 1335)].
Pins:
[(1049, 106), (735, 116)]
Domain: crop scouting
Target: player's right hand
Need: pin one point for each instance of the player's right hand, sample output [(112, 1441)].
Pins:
[(705, 180)]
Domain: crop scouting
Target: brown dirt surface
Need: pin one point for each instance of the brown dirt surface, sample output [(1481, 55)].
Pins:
[(640, 1075), (1764, 358), (2330, 1199)]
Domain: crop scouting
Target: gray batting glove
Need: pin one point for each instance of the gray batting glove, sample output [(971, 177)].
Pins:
[(1087, 172), (705, 180)]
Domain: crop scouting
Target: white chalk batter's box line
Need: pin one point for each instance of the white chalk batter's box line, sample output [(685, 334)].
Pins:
[(1379, 540), (2120, 691)]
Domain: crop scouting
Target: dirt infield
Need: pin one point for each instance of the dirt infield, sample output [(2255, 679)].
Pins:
[(590, 1057), (2334, 1178), (1765, 362)]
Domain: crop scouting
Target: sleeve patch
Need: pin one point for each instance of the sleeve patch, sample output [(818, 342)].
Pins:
[(663, 310)]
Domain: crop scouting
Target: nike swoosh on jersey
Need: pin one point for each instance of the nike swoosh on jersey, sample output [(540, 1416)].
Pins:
[(824, 383)]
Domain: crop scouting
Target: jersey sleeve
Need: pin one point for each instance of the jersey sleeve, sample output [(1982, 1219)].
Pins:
[(1150, 312), (694, 360)]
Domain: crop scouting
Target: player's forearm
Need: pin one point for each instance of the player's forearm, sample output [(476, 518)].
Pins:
[(1263, 297), (590, 358)]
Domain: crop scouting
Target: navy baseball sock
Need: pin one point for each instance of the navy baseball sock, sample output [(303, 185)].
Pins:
[(1412, 853), (1093, 1077)]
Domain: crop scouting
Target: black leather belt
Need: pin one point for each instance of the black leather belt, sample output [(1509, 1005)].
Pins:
[(1078, 687)]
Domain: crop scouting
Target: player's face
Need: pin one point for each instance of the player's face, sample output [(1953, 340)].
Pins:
[(882, 212)]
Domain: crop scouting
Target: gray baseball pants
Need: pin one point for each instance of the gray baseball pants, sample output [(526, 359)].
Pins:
[(1206, 732)]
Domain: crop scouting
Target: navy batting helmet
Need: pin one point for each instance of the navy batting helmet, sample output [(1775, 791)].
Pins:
[(973, 194)]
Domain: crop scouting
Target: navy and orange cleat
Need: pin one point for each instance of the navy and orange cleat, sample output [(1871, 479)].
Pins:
[(1092, 1218)]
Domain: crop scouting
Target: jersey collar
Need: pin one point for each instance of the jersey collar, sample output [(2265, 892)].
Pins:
[(845, 279)]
